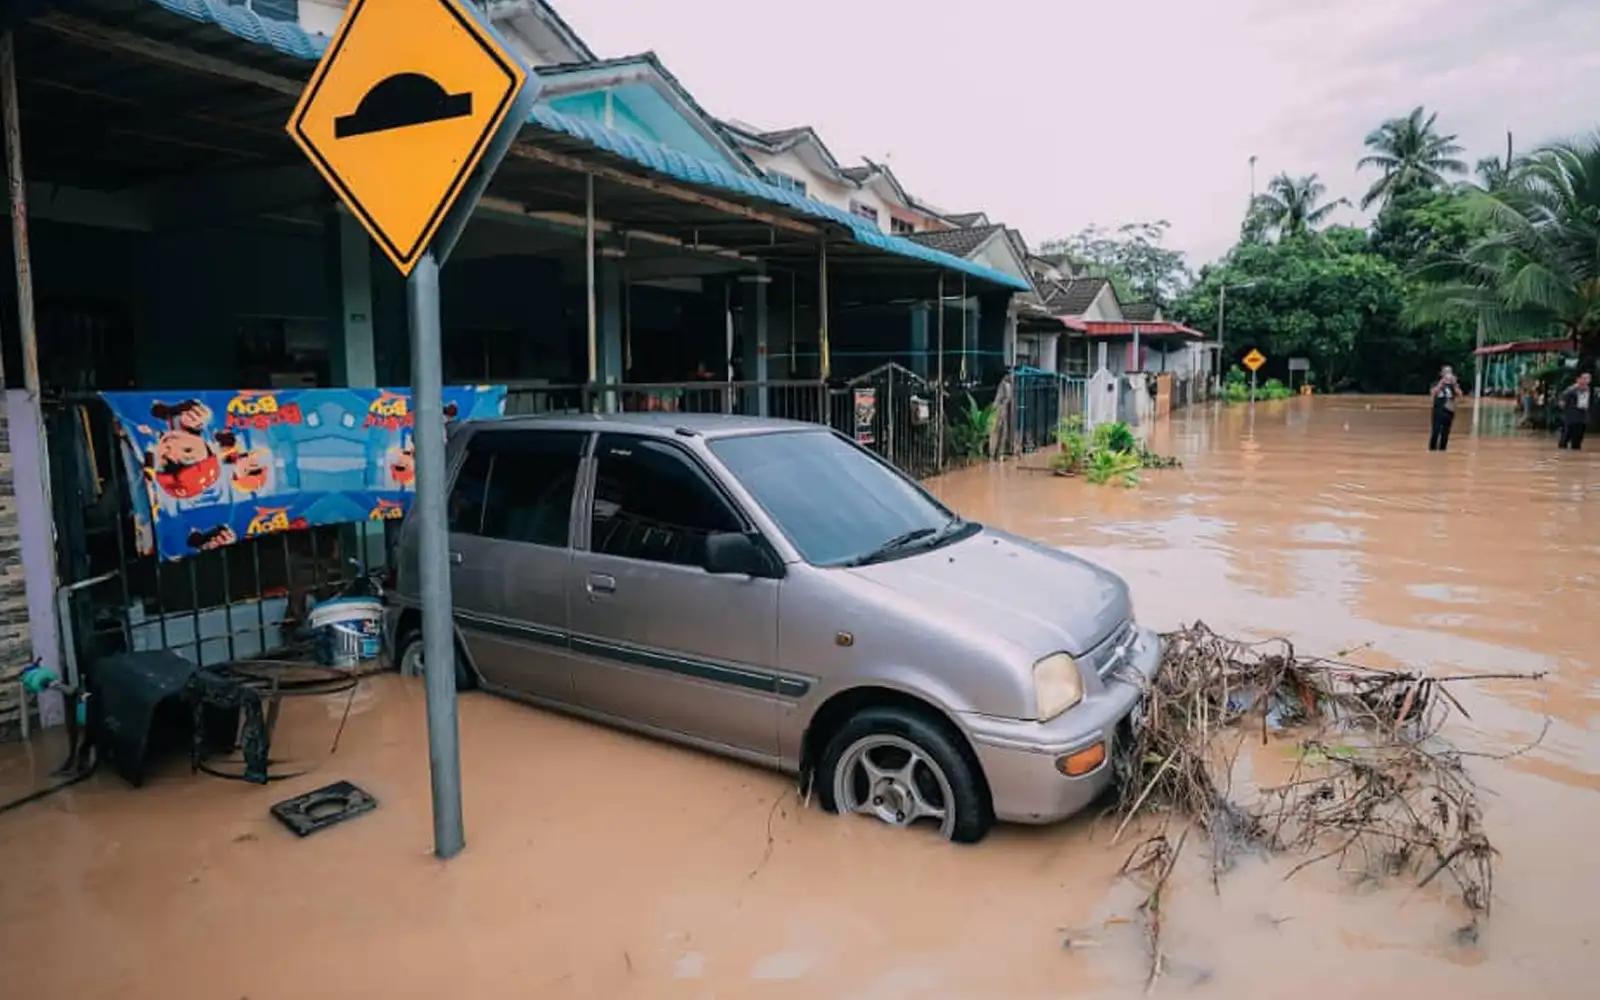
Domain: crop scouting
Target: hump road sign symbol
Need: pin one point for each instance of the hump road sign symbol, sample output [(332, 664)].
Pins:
[(1254, 360), (399, 112)]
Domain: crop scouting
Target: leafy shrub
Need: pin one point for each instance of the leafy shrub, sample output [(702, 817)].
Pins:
[(968, 435), (1115, 436), (1105, 465), (1275, 389), (1074, 453), (1110, 453)]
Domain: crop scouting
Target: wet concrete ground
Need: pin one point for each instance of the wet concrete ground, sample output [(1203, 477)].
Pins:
[(602, 864)]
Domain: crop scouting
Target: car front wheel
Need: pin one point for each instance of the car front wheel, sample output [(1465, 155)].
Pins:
[(410, 660), (905, 770)]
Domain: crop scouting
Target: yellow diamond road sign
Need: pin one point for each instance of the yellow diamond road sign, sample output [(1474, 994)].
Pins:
[(1254, 360), (399, 112)]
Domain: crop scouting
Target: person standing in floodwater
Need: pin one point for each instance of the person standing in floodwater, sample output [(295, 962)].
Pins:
[(1575, 400), (1444, 394)]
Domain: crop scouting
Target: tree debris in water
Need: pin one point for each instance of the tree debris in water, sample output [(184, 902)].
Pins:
[(1375, 787)]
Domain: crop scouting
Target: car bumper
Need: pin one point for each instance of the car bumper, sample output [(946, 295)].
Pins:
[(1019, 757)]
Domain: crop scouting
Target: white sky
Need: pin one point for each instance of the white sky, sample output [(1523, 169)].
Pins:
[(1054, 114)]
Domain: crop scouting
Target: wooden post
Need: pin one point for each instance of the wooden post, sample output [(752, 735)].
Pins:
[(588, 260), (824, 352), (964, 311), (940, 373), (26, 331), (30, 486)]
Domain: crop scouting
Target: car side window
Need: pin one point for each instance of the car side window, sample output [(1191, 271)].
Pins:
[(465, 509), (651, 501), (531, 481)]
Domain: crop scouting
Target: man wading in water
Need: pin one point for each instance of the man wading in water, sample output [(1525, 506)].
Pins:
[(1444, 394), (1575, 412)]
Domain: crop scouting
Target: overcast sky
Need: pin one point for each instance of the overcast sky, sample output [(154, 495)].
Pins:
[(1054, 114)]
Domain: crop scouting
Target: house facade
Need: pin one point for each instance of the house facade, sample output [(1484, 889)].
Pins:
[(798, 160)]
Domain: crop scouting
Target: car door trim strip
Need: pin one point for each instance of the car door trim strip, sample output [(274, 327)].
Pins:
[(751, 678)]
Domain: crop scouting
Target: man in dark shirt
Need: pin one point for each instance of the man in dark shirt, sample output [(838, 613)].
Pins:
[(1575, 400), (1444, 394)]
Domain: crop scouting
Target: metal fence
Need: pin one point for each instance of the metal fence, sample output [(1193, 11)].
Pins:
[(236, 602), (788, 400), (1043, 400), (894, 411), (251, 598)]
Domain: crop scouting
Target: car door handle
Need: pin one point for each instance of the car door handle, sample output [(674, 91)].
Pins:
[(455, 559), (600, 583)]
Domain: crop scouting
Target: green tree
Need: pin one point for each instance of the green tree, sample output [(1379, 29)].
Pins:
[(1411, 153), (1420, 225), (1291, 206), (1323, 296), (1536, 270), (1140, 268)]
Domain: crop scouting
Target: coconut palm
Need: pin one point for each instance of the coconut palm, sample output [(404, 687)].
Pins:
[(1291, 206), (1537, 272), (1495, 173), (1411, 154)]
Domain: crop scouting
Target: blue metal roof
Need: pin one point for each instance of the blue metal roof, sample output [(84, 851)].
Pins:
[(665, 160), (291, 40), (286, 37)]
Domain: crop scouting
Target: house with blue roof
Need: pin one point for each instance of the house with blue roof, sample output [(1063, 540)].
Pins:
[(630, 253)]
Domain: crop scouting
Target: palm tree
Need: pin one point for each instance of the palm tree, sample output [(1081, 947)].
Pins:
[(1495, 173), (1537, 272), (1290, 206), (1410, 154)]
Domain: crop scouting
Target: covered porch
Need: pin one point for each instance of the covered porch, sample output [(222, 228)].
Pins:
[(169, 237)]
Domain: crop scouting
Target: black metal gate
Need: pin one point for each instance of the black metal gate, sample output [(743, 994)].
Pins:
[(893, 411)]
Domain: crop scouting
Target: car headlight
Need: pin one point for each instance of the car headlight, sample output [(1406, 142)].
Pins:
[(1057, 685)]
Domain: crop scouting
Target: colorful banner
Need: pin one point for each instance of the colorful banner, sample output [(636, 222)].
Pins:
[(212, 468)]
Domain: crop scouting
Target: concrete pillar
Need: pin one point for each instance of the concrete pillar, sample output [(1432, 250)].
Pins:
[(355, 362), (754, 340), (919, 338), (609, 349), (355, 356), (990, 345)]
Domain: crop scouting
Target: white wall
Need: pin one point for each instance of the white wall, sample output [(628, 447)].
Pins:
[(1042, 347), (1104, 306), (827, 190)]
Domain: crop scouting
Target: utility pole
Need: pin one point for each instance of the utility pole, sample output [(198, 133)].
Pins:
[(1222, 304)]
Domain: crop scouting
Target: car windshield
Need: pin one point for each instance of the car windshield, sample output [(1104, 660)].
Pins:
[(838, 504)]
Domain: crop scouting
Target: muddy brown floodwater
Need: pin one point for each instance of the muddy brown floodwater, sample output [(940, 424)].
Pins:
[(602, 864)]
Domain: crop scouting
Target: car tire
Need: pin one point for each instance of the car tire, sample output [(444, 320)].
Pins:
[(410, 645), (895, 742)]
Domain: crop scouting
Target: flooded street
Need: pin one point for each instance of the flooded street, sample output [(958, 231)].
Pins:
[(604, 864)]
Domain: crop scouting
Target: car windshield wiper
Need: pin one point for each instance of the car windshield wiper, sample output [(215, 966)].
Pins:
[(892, 545)]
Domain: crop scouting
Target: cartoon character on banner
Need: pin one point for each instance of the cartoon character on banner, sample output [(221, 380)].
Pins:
[(402, 463), (184, 463), (212, 538), (251, 470)]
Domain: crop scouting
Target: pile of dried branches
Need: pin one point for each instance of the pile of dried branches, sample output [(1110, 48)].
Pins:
[(1375, 787)]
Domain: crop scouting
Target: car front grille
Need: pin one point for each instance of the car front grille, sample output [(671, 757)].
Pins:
[(1111, 651)]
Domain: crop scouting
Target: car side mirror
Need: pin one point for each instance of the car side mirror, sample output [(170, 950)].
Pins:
[(735, 553)]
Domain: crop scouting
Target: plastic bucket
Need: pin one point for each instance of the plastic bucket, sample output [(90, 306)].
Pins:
[(347, 630)]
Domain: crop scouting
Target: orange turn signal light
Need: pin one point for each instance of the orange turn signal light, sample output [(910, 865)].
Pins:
[(1076, 765)]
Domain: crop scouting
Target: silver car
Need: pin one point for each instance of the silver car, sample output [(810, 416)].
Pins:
[(773, 591)]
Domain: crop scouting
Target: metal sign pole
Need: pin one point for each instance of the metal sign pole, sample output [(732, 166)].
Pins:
[(433, 557)]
